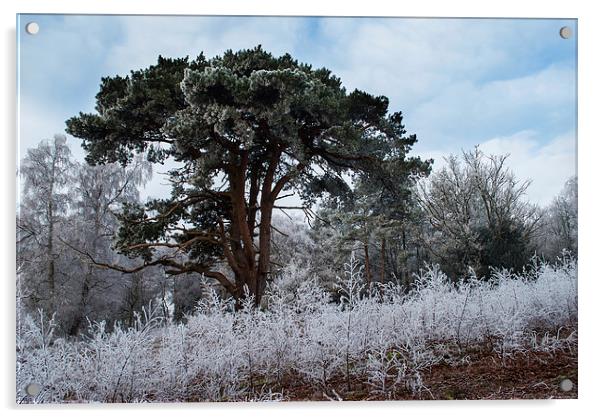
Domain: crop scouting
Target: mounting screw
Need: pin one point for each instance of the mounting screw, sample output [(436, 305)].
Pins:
[(32, 28), (566, 385), (33, 389), (565, 32)]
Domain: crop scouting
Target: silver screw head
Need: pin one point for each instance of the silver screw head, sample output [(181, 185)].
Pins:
[(33, 389), (566, 32), (32, 28), (566, 385)]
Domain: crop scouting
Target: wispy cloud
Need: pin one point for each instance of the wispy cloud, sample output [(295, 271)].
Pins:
[(465, 112), (412, 60), (145, 37)]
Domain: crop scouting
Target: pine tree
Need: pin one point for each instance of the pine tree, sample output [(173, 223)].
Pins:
[(246, 127)]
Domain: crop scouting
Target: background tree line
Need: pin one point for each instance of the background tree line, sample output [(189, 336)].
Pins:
[(469, 214)]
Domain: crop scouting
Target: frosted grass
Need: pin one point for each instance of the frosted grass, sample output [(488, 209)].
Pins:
[(385, 337)]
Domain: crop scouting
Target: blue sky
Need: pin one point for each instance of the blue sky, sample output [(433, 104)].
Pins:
[(508, 85)]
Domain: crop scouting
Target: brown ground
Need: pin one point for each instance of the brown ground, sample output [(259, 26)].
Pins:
[(528, 375)]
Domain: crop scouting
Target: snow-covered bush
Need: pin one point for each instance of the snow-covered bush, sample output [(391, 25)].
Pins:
[(385, 338)]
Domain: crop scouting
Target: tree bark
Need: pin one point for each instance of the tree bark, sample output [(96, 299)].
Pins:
[(251, 264), (367, 264), (85, 292), (382, 259)]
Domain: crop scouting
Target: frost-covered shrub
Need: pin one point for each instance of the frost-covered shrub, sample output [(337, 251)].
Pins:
[(385, 337)]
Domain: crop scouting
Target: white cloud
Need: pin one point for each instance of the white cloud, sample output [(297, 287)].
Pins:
[(412, 60), (547, 166), (400, 59), (465, 111), (39, 122), (145, 37)]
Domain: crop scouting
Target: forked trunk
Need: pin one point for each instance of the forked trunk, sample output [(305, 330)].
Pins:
[(249, 258)]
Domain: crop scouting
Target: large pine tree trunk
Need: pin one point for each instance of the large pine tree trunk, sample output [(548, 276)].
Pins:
[(250, 259), (265, 249)]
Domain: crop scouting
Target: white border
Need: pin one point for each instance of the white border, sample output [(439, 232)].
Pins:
[(590, 278)]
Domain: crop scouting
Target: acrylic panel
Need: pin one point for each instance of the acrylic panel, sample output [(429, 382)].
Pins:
[(240, 208)]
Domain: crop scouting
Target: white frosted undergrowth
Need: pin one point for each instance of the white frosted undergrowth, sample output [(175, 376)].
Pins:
[(385, 337)]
